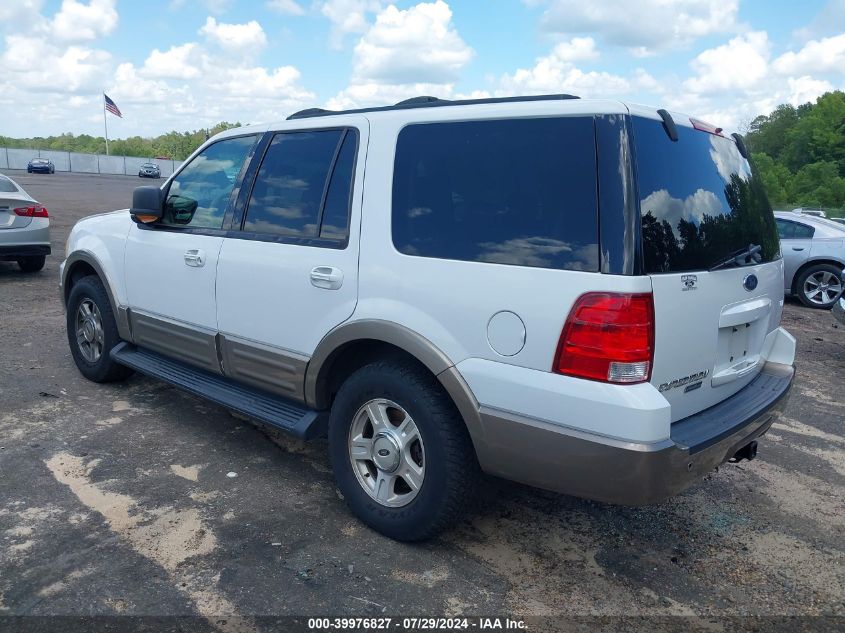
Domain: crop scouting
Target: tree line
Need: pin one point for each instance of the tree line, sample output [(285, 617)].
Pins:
[(175, 145), (800, 153)]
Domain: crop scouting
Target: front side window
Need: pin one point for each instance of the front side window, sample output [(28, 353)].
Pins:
[(518, 191), (303, 185), (199, 194)]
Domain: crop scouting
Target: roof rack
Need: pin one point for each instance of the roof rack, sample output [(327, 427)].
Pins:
[(427, 102)]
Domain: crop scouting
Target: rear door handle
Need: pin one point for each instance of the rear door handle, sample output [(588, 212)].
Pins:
[(327, 277), (797, 248), (195, 257)]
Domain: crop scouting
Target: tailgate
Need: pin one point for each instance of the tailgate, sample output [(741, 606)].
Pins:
[(711, 249), (711, 332)]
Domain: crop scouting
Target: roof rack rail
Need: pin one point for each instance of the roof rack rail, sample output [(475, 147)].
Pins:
[(427, 102)]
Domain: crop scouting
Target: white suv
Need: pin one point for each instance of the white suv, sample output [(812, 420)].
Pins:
[(584, 296)]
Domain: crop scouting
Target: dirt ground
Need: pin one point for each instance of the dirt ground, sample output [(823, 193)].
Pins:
[(121, 500)]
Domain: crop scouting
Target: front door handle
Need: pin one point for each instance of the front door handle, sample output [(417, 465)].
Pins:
[(327, 277), (797, 248), (195, 257)]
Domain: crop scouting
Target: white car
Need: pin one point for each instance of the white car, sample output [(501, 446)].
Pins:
[(24, 227), (813, 256), (453, 287)]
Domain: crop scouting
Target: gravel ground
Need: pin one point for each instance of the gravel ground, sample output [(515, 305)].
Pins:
[(118, 500)]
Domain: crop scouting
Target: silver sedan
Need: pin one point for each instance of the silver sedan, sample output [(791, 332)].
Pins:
[(24, 227), (813, 256)]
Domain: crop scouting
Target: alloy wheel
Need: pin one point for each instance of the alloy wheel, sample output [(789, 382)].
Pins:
[(387, 453)]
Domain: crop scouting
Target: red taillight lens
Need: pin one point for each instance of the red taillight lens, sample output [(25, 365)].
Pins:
[(36, 211), (608, 337)]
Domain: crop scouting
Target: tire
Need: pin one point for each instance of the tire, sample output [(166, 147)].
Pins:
[(96, 367), (28, 170), (32, 263), (450, 470), (819, 286)]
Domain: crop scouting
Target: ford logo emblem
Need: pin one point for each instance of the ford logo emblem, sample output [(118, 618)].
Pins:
[(383, 452), (750, 282)]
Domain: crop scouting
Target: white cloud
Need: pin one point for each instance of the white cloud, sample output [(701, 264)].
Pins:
[(175, 63), (405, 54), (646, 25), (71, 70), (556, 72), (80, 21), (419, 44), (740, 64), (17, 12), (663, 206), (803, 89), (348, 17), (285, 7), (817, 56), (244, 38)]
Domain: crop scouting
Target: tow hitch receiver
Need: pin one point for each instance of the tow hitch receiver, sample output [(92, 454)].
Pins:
[(749, 452)]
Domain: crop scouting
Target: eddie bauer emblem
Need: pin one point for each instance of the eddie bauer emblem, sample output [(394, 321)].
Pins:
[(689, 282)]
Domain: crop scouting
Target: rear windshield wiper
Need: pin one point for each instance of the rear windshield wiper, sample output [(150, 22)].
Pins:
[(743, 257)]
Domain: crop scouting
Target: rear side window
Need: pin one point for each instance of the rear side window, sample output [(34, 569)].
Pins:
[(794, 230), (699, 199), (304, 183), (519, 191)]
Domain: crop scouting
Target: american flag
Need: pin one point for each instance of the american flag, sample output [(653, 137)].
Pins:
[(111, 107)]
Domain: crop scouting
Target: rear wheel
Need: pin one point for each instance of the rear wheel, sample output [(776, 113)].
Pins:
[(32, 264), (92, 331), (819, 286), (400, 452)]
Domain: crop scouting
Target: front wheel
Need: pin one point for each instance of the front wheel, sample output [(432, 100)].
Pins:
[(92, 331), (32, 263), (400, 452), (819, 286)]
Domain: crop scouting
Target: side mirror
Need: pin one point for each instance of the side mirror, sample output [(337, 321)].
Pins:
[(146, 205)]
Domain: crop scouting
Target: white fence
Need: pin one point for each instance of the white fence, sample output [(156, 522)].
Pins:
[(84, 163)]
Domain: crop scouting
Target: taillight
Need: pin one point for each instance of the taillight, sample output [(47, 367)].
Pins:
[(36, 211), (608, 337)]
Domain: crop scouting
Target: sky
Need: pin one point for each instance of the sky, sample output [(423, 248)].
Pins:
[(188, 64)]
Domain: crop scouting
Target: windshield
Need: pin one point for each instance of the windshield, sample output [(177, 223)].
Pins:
[(699, 200), (7, 186)]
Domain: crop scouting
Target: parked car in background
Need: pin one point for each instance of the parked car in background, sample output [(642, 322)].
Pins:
[(810, 211), (598, 353), (149, 170), (813, 255), (24, 227), (40, 166)]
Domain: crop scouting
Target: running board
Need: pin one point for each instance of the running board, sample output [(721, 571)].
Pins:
[(278, 412)]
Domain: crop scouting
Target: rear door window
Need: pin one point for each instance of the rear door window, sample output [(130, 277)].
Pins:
[(303, 186), (699, 200), (788, 230), (517, 191)]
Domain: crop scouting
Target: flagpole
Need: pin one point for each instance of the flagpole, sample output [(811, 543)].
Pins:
[(105, 124)]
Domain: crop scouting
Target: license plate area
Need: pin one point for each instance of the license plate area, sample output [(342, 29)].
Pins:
[(738, 352)]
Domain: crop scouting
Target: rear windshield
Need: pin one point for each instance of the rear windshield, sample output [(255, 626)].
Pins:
[(7, 186), (699, 200), (519, 192)]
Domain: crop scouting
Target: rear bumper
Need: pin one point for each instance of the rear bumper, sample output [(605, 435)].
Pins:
[(629, 473), (23, 250)]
